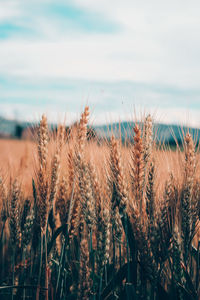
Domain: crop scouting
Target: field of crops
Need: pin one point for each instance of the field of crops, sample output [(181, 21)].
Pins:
[(87, 219)]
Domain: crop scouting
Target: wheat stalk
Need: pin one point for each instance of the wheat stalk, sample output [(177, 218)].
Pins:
[(137, 168), (118, 176)]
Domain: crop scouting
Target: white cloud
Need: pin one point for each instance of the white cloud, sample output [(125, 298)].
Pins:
[(8, 10), (158, 44), (102, 58), (139, 57)]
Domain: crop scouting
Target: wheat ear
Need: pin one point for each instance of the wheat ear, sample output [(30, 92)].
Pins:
[(42, 201), (186, 196), (15, 234), (84, 275), (118, 176), (137, 168)]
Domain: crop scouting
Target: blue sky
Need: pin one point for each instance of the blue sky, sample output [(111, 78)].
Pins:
[(116, 56)]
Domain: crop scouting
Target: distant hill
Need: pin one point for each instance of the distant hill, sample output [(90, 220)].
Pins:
[(163, 133)]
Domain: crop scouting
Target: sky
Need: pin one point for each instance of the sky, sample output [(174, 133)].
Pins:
[(117, 56)]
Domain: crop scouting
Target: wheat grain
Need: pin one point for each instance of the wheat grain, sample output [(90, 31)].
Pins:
[(137, 168)]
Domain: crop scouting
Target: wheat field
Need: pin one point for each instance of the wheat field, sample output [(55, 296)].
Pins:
[(88, 219)]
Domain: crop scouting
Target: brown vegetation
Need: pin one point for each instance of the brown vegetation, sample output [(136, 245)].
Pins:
[(87, 220)]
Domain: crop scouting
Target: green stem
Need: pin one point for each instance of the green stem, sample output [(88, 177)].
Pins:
[(24, 276), (106, 275), (40, 267), (120, 255), (113, 238), (61, 261), (46, 267), (13, 270), (92, 260), (100, 286), (127, 249)]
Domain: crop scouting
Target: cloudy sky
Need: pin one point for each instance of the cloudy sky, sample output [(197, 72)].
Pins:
[(117, 56)]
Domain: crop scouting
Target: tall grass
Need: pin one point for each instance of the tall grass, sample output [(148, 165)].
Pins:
[(103, 221)]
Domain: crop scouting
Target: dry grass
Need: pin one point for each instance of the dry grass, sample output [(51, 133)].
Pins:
[(87, 220)]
